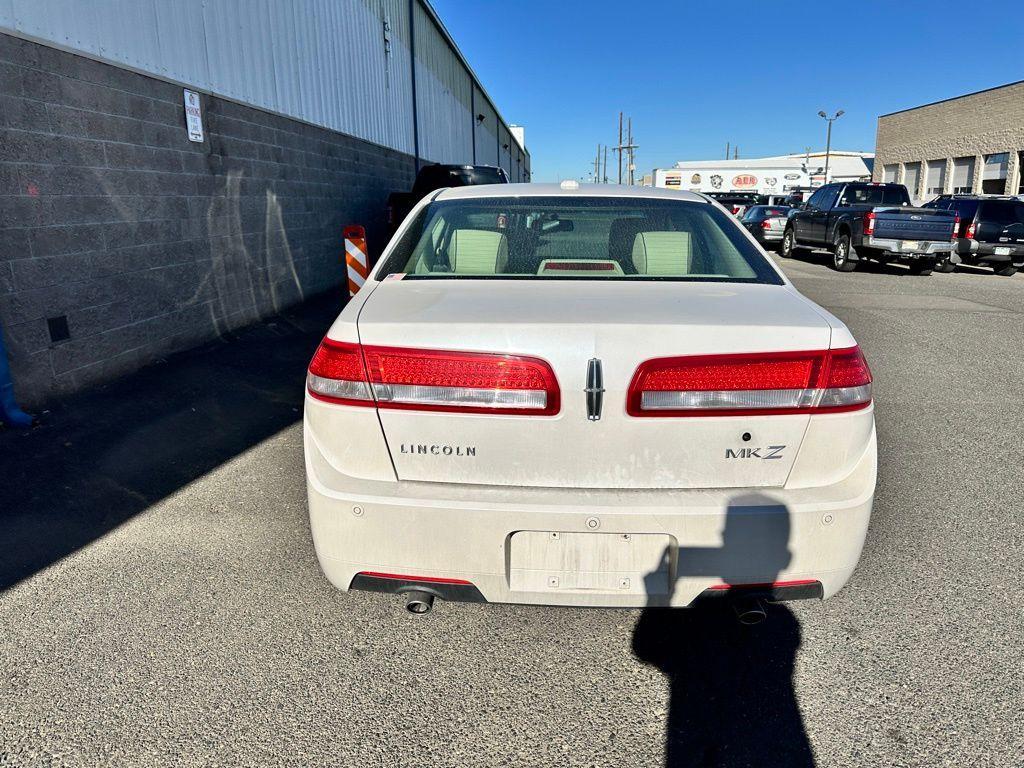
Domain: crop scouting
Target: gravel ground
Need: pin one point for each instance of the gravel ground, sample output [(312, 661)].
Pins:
[(162, 605)]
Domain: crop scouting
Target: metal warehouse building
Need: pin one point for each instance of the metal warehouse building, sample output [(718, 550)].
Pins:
[(972, 143), (124, 238)]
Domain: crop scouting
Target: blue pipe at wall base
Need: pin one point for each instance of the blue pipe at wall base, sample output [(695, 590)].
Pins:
[(10, 413)]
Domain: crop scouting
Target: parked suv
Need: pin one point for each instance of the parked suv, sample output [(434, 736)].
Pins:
[(864, 220), (991, 232)]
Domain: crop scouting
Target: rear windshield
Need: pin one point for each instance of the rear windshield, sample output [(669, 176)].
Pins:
[(577, 237), (876, 195), (1002, 212)]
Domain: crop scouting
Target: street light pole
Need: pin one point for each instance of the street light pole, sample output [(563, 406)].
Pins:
[(828, 140)]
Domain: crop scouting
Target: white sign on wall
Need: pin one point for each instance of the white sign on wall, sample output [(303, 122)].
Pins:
[(193, 116)]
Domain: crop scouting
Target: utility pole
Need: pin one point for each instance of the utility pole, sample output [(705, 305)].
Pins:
[(619, 148), (604, 175), (828, 140), (631, 166), (728, 148), (736, 152), (597, 165)]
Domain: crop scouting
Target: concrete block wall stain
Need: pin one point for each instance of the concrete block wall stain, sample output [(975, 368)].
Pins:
[(148, 243)]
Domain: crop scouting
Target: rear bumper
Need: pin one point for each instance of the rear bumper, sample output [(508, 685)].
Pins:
[(895, 247), (769, 236), (978, 251), (386, 536)]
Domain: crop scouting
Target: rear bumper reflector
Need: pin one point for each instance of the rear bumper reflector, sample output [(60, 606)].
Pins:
[(457, 590), (803, 589)]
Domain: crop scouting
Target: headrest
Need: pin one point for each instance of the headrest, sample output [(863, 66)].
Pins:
[(662, 253), (478, 252)]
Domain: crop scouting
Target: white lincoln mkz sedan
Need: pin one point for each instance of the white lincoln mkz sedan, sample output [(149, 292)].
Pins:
[(586, 395)]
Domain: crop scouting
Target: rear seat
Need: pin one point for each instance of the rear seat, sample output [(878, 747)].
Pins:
[(478, 252), (663, 253)]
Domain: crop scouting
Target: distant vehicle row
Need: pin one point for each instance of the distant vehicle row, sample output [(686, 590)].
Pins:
[(990, 232), (863, 220)]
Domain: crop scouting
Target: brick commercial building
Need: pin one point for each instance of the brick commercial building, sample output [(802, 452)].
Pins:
[(124, 238), (972, 143)]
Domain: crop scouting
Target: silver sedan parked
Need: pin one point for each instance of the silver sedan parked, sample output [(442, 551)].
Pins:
[(766, 223)]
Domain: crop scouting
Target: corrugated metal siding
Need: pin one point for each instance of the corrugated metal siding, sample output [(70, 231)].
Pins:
[(322, 61), (443, 92), (505, 142), (486, 140)]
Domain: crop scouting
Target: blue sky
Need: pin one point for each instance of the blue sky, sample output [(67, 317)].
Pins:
[(696, 74)]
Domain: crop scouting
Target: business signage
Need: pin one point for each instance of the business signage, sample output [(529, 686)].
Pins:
[(744, 181)]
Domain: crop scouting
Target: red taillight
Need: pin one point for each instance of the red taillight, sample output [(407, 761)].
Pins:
[(969, 234), (751, 384), (433, 380), (956, 228), (766, 224), (336, 374), (735, 210), (869, 223)]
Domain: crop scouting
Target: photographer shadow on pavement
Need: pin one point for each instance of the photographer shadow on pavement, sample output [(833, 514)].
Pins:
[(732, 701)]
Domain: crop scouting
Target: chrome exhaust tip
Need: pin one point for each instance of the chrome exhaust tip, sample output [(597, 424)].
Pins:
[(419, 602), (749, 610)]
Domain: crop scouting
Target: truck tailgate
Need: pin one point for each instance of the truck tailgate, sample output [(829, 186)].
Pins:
[(927, 224)]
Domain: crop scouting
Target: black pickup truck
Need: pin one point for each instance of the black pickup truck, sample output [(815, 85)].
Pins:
[(437, 176), (862, 220)]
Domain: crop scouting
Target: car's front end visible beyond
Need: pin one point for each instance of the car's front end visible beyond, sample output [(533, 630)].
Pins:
[(590, 398)]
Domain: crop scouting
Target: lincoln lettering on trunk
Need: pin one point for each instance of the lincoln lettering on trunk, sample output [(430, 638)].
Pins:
[(435, 449)]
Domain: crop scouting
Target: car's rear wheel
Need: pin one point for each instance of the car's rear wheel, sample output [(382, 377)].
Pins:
[(842, 255), (1007, 271), (921, 267), (788, 247), (945, 266)]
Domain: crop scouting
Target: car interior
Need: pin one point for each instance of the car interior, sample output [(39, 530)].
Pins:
[(463, 241)]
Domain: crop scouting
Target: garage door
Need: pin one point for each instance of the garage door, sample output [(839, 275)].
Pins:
[(963, 173), (936, 182), (993, 177), (912, 178)]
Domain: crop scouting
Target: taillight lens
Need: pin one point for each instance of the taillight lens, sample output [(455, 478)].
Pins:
[(956, 228), (969, 234), (766, 224), (869, 223), (336, 374), (434, 380), (751, 384)]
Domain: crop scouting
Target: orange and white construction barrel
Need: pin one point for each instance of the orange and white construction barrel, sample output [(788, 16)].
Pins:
[(357, 260)]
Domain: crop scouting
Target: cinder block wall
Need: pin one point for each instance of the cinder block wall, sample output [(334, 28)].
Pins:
[(974, 125), (148, 243)]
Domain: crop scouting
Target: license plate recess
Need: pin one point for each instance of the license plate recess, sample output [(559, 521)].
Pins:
[(557, 561)]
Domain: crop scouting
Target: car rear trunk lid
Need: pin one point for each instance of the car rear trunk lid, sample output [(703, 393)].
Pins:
[(568, 323)]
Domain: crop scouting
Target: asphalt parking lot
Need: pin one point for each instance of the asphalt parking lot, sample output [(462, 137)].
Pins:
[(162, 605)]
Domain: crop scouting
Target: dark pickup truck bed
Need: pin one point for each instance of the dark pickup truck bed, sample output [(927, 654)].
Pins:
[(859, 221)]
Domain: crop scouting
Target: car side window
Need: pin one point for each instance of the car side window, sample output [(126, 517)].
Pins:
[(816, 198), (828, 199)]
